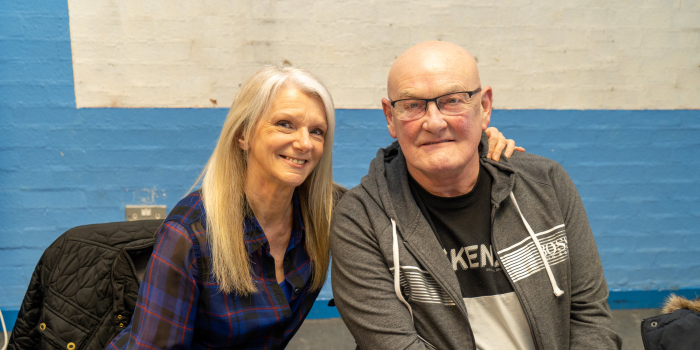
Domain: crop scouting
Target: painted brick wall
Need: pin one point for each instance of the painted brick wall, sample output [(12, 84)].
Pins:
[(61, 166)]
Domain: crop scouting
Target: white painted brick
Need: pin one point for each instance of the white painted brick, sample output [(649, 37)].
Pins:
[(267, 9), (632, 38), (581, 47), (624, 18)]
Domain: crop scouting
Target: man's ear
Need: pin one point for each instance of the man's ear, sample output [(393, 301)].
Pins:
[(386, 107), (486, 107)]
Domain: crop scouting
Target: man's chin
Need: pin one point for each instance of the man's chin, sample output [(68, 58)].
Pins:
[(439, 168)]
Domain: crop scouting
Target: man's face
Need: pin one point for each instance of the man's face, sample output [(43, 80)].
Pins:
[(437, 145)]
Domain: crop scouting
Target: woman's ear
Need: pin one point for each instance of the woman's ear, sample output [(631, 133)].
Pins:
[(242, 143)]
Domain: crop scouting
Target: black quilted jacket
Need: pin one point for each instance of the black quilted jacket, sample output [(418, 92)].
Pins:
[(84, 288)]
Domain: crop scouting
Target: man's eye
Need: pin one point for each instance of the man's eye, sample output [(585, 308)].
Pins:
[(453, 100), (409, 105)]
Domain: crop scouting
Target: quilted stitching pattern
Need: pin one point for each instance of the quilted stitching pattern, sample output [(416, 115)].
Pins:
[(80, 286)]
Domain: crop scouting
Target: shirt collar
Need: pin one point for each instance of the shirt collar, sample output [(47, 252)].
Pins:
[(255, 237)]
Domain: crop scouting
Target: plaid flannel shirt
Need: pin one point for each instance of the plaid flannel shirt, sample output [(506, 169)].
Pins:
[(179, 306)]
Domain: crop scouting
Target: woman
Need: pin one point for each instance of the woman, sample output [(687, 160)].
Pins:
[(239, 263)]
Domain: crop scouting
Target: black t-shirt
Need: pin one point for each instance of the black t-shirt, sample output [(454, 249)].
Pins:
[(463, 226)]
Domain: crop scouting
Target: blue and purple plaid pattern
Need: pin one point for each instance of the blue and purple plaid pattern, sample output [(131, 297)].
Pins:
[(179, 306)]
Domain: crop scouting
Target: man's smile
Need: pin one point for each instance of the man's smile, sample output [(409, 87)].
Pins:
[(436, 142)]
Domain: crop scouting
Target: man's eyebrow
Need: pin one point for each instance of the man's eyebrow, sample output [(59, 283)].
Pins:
[(405, 94)]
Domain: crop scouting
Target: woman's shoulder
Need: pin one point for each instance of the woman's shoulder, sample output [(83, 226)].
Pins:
[(188, 210), (187, 220)]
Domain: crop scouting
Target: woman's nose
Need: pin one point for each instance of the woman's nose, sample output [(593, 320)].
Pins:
[(303, 141)]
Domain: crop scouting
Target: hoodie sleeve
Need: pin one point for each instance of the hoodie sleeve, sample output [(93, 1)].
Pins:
[(591, 320), (362, 283)]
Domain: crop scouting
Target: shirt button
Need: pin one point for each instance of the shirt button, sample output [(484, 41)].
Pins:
[(297, 291)]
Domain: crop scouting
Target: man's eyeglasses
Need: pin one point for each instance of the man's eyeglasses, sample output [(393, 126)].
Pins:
[(454, 103)]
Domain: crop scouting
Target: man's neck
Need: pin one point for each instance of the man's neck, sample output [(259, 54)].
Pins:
[(448, 184)]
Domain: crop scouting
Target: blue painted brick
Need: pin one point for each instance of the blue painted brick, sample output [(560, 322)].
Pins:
[(69, 199), (35, 71), (21, 95), (15, 280), (47, 7), (21, 257), (156, 140), (530, 119), (28, 237), (22, 138), (19, 49), (689, 119), (10, 26), (35, 27)]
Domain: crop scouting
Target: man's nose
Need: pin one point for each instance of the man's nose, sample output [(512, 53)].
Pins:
[(435, 120), (303, 141)]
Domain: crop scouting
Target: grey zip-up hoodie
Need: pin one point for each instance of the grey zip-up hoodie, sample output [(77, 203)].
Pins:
[(543, 241)]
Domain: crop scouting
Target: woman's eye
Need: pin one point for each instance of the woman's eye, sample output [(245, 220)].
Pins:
[(284, 124), (318, 132)]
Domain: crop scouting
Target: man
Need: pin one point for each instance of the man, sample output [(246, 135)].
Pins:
[(440, 247)]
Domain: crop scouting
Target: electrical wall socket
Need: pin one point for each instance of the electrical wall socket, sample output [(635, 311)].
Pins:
[(145, 212)]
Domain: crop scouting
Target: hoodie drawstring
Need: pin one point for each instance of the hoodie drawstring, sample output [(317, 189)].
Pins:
[(558, 292), (397, 283)]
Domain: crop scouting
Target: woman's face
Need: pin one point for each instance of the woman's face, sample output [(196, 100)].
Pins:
[(288, 141)]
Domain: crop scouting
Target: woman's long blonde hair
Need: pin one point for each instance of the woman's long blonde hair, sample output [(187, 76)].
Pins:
[(223, 181)]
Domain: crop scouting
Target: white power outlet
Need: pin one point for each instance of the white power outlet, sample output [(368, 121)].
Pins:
[(145, 212)]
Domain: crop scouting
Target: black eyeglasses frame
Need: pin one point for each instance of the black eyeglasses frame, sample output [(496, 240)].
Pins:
[(428, 100)]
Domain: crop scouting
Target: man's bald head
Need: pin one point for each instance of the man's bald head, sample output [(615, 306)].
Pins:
[(432, 58)]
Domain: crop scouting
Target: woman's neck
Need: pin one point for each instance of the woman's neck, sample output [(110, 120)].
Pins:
[(272, 207)]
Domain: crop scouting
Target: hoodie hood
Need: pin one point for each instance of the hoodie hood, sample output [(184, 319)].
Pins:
[(387, 183)]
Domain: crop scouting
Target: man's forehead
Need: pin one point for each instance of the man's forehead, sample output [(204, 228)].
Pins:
[(432, 74)]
